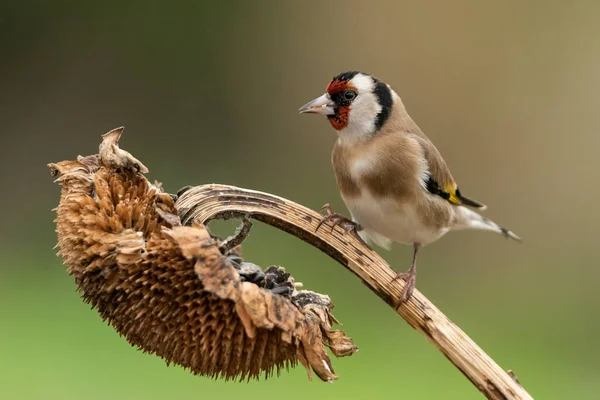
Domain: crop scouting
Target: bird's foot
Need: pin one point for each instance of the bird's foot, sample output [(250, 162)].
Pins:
[(338, 220), (410, 279)]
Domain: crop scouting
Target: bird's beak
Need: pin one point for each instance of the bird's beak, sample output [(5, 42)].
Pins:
[(321, 105)]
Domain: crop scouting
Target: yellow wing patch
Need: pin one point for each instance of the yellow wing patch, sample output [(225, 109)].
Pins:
[(453, 198), (451, 193)]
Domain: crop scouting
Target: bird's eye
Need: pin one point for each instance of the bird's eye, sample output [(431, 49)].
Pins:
[(349, 95)]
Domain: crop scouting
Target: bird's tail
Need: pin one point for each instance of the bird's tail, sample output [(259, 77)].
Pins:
[(469, 219)]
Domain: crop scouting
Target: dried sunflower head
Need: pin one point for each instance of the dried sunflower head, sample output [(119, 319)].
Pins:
[(170, 290)]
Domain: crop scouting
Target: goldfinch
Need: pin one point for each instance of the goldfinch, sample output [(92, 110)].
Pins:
[(393, 180)]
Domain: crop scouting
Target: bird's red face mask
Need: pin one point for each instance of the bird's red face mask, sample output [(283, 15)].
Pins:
[(335, 103)]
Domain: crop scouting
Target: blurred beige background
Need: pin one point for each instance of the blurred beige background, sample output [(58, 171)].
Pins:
[(209, 92)]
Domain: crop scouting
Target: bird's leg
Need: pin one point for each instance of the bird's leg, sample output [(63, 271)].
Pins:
[(336, 219), (410, 277)]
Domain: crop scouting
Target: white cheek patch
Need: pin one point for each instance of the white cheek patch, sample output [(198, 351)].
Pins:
[(363, 113), (363, 110)]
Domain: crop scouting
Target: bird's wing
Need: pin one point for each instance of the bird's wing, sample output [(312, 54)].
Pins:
[(439, 179)]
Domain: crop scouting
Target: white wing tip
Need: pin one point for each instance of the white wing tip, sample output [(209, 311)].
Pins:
[(511, 235)]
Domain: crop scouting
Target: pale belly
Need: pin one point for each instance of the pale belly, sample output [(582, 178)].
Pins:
[(385, 221)]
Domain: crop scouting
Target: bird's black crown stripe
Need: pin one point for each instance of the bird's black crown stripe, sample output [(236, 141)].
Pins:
[(345, 76), (384, 98)]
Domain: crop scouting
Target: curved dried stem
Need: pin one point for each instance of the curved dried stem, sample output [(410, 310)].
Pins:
[(204, 203)]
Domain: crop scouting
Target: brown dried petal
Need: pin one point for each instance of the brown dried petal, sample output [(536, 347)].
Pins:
[(111, 156)]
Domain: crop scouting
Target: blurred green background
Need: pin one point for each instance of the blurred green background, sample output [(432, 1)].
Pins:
[(209, 92)]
